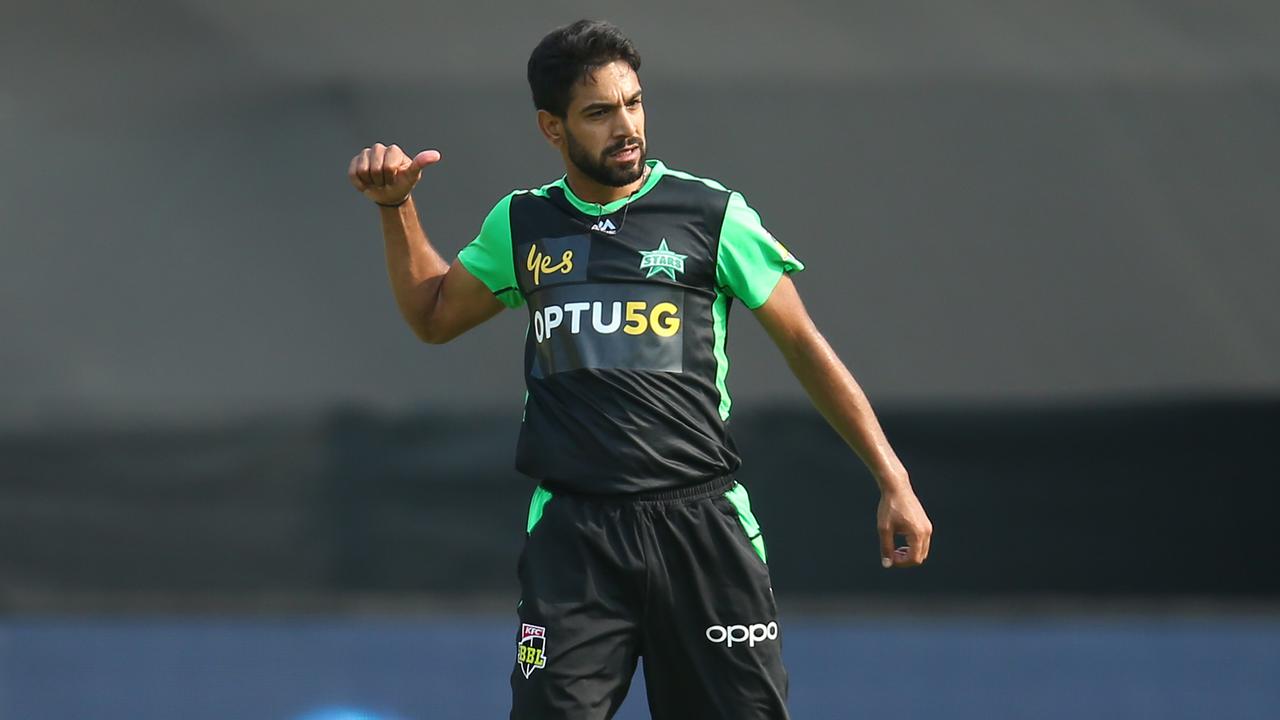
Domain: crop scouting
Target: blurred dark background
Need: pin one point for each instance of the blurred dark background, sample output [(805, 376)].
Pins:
[(1044, 236)]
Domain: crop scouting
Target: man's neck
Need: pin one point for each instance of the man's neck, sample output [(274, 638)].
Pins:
[(588, 190)]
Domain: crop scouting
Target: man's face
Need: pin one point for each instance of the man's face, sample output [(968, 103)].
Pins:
[(604, 126)]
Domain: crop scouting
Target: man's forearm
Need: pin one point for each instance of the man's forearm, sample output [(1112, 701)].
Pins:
[(840, 400), (414, 268)]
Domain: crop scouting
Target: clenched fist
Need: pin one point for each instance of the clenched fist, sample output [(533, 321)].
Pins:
[(385, 174)]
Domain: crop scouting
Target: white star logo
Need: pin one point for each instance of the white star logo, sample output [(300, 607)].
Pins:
[(662, 260)]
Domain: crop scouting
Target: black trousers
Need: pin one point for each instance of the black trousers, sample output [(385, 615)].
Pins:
[(676, 577)]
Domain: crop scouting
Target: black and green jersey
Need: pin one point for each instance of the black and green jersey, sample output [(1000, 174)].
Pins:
[(628, 302)]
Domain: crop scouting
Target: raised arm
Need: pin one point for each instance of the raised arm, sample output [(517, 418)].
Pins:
[(439, 301), (841, 401)]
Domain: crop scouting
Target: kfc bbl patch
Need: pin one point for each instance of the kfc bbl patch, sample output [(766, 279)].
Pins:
[(531, 652)]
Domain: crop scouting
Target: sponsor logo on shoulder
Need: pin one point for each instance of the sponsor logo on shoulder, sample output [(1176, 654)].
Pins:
[(730, 635), (531, 653)]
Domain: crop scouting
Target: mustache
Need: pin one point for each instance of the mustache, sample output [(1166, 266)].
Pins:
[(624, 144)]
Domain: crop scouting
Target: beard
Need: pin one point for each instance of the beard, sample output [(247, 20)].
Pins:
[(599, 168)]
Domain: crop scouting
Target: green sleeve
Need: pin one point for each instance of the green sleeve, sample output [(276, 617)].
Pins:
[(750, 262), (488, 257)]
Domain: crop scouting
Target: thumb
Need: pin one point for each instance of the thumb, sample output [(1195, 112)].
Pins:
[(886, 547), (425, 158)]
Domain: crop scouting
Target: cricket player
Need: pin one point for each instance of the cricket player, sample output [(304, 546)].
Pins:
[(640, 543)]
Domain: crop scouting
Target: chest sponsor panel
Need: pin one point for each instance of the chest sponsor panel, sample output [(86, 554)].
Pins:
[(634, 326), (552, 261)]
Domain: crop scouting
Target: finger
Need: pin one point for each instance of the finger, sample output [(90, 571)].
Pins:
[(425, 158), (902, 557), (377, 157), (886, 547), (353, 172), (362, 167), (418, 162), (915, 540), (392, 164), (926, 540)]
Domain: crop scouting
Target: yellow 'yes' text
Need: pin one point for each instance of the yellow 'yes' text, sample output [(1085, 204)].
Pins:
[(537, 263)]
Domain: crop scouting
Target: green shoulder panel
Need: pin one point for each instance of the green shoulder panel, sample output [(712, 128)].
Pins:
[(750, 261), (489, 255)]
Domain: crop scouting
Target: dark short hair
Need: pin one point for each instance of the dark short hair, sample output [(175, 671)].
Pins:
[(568, 54)]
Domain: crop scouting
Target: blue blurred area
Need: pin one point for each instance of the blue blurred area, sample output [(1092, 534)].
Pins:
[(958, 667), (341, 713)]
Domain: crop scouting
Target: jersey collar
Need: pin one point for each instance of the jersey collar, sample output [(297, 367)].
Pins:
[(656, 171)]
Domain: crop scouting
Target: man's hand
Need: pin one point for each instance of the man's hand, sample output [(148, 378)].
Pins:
[(386, 175), (900, 513)]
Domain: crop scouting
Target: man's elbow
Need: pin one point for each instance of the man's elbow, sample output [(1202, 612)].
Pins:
[(433, 334), (428, 328)]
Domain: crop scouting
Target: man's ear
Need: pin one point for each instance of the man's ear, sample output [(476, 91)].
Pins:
[(552, 127)]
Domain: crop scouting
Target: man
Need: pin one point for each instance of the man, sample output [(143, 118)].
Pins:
[(640, 542)]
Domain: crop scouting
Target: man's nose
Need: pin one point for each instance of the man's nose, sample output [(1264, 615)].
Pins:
[(626, 126)]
